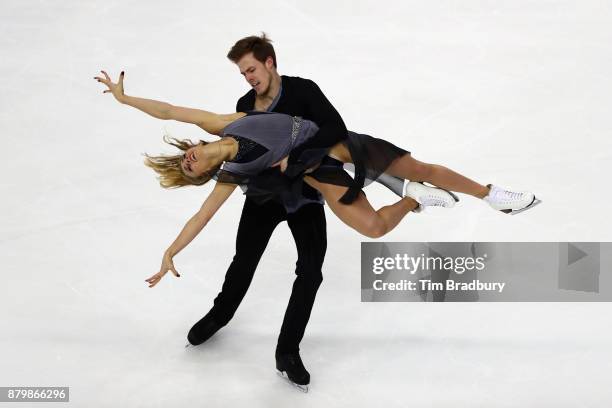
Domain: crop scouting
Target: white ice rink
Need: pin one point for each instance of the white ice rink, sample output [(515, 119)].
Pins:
[(511, 92)]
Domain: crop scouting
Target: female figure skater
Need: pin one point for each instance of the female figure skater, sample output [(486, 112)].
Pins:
[(254, 144)]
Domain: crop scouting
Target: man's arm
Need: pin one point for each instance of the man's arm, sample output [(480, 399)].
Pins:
[(331, 126)]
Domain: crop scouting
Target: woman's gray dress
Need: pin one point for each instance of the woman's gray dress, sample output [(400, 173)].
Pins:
[(279, 134)]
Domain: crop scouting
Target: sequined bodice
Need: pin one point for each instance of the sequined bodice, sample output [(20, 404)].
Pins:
[(248, 150)]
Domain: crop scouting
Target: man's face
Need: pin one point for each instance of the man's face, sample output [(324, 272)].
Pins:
[(256, 73)]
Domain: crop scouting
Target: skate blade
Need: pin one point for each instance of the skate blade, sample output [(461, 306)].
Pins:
[(533, 204), (303, 388)]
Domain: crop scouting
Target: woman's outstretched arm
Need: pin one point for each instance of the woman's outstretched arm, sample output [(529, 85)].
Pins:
[(211, 122), (192, 228)]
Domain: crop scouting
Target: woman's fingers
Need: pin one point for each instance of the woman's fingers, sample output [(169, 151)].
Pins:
[(115, 88), (167, 265), (153, 280), (158, 275), (120, 82), (106, 82), (101, 80)]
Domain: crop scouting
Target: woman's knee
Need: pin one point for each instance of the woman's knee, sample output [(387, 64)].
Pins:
[(374, 228)]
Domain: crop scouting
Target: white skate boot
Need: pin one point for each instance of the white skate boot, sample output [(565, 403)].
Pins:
[(429, 196), (510, 202)]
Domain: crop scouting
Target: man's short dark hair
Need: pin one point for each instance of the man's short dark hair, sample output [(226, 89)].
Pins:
[(260, 46)]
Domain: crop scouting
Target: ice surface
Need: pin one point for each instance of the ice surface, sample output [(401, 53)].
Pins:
[(515, 93)]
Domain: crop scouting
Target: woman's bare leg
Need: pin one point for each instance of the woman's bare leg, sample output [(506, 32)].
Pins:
[(409, 168), (440, 176), (360, 215)]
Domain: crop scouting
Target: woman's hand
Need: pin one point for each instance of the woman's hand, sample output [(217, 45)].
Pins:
[(115, 88), (167, 265)]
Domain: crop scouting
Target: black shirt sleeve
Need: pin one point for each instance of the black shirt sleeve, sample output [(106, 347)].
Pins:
[(246, 103), (331, 127)]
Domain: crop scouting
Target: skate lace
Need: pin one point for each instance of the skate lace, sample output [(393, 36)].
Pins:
[(433, 201), (510, 195)]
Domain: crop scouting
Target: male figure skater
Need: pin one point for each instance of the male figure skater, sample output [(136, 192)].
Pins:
[(256, 59)]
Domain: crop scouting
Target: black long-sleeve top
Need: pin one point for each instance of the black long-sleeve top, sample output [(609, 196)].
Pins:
[(302, 97)]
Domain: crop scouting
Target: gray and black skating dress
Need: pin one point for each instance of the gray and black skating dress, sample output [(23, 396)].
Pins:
[(265, 138)]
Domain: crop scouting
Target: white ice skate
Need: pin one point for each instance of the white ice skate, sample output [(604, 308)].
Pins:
[(429, 196), (510, 202)]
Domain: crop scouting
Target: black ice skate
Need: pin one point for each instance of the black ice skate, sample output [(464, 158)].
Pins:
[(290, 367), (202, 331)]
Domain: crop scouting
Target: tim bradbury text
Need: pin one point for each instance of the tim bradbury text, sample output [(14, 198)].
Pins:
[(449, 285)]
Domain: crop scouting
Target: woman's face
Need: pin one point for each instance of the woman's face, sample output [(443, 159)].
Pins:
[(194, 162)]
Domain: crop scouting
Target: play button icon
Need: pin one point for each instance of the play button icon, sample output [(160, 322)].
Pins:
[(574, 254)]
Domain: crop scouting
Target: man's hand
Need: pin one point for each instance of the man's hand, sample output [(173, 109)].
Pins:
[(282, 164)]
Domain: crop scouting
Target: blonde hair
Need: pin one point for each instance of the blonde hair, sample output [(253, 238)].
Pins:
[(169, 169)]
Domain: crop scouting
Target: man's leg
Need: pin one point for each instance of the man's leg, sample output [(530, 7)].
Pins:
[(254, 230), (309, 231)]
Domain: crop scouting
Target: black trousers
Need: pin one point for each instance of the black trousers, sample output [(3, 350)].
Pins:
[(257, 223)]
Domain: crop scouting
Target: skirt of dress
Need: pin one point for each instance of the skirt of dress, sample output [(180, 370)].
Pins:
[(371, 157)]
